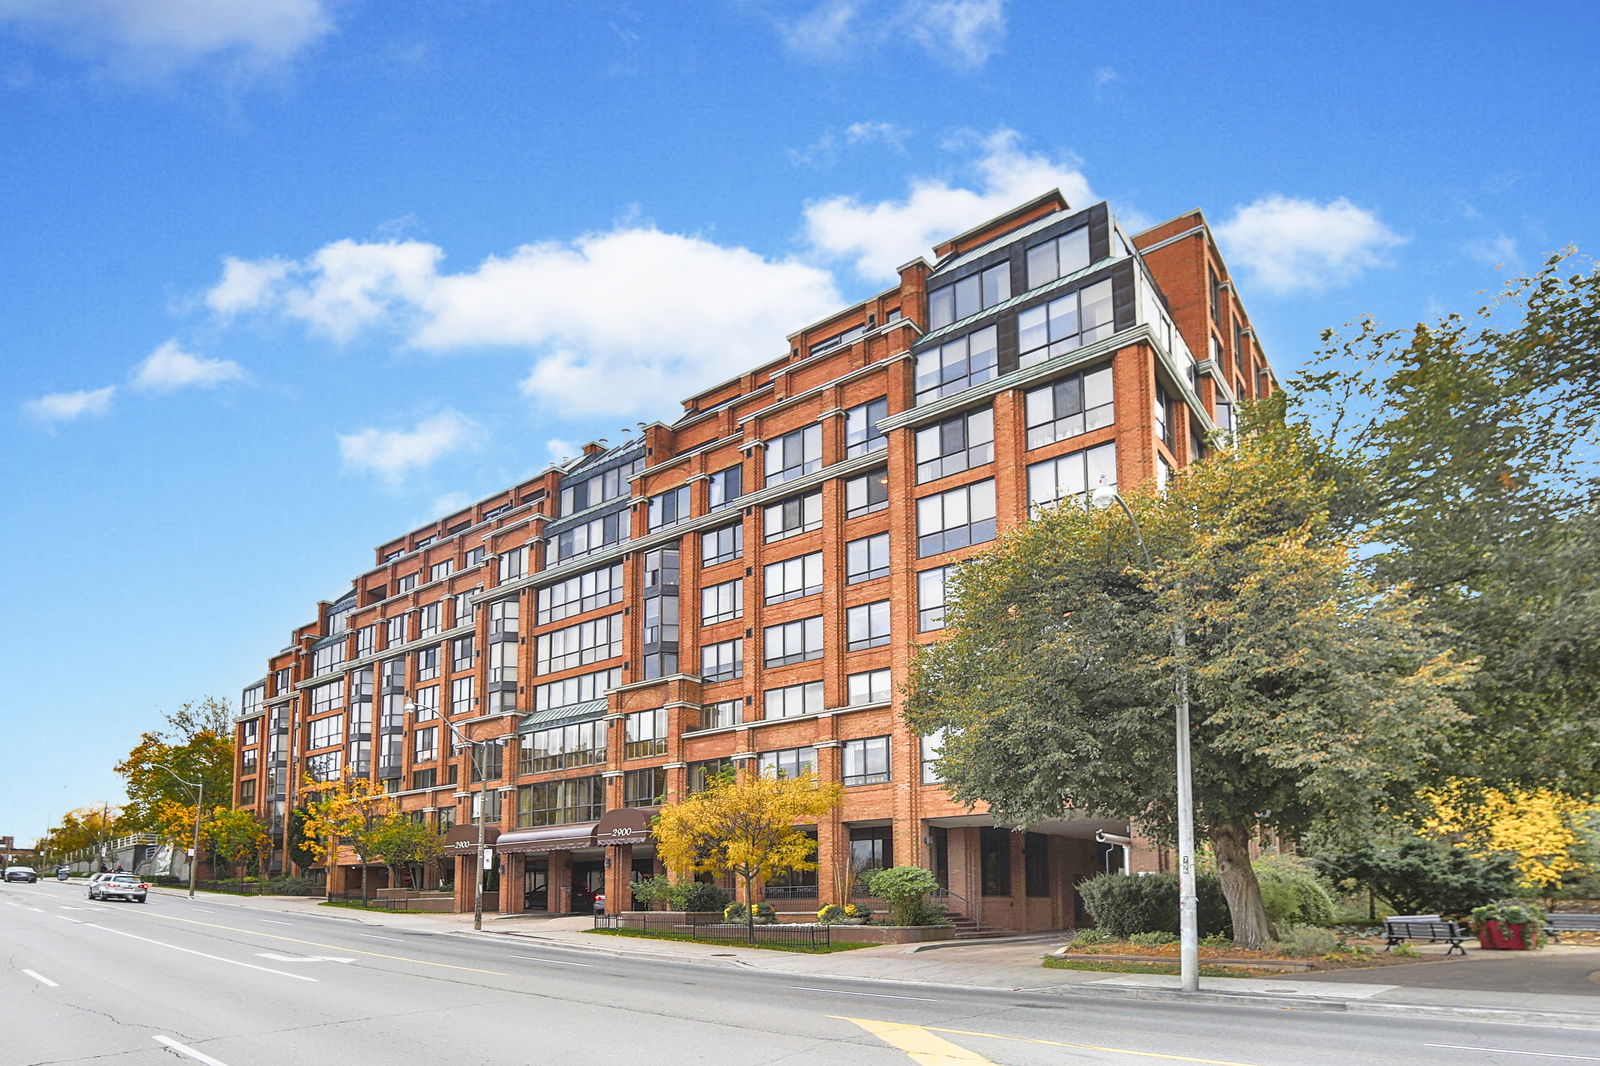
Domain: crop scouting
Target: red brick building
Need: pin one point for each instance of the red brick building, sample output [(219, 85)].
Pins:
[(746, 585)]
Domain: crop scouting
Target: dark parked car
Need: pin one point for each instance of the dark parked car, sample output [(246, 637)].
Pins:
[(22, 873)]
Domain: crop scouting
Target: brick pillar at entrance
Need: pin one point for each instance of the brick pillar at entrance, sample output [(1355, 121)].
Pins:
[(559, 880), (466, 870), (619, 870), (512, 899)]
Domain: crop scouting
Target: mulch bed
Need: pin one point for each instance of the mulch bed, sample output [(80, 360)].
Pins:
[(1247, 957)]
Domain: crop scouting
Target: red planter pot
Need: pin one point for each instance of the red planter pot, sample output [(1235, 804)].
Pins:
[(1497, 936)]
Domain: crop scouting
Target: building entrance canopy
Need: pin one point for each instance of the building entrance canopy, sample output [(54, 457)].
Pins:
[(463, 838), (624, 825)]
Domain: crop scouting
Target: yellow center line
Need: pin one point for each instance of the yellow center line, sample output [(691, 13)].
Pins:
[(875, 1027), (921, 1046), (330, 947)]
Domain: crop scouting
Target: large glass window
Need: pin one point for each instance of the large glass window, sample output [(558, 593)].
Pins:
[(957, 365), (1069, 406), (932, 743), (1163, 416), (793, 642), (725, 486), (790, 518), (867, 493), (931, 598), (867, 625), (644, 734), (503, 616), (1067, 322), (327, 657), (428, 620), (592, 491), (513, 564), (700, 773), (721, 603), (580, 593), (575, 799), (1058, 257), (866, 761), (868, 687), (994, 847), (794, 455), (955, 519), (327, 697), (721, 545), (669, 507), (462, 652), (791, 579), (425, 744), (790, 762), (969, 295), (867, 558), (955, 444), (871, 850), (861, 432), (573, 690), (590, 536), (721, 714), (644, 788), (461, 700), (586, 642), (326, 732), (566, 747), (723, 660), (1072, 476), (790, 700), (425, 703)]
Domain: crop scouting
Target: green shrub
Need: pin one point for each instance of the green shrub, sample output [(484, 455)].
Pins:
[(1086, 937), (293, 886), (650, 891), (830, 913), (1216, 940), (698, 896), (738, 912), (1306, 941), (1153, 940), (1421, 876), (903, 888), (1291, 892), (1123, 905)]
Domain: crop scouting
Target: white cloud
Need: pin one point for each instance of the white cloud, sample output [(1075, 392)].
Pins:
[(1492, 251), (964, 33), (824, 151), (393, 453), (1104, 76), (823, 31), (157, 36), (656, 315), (881, 236), (1294, 244), (246, 284), (958, 33), (449, 503), (560, 450), (66, 406), (169, 367)]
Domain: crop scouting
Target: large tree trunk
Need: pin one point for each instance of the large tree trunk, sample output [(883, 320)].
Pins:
[(1251, 927)]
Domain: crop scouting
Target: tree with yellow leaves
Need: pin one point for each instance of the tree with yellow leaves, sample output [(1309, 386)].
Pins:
[(1541, 827), (747, 826), (350, 812)]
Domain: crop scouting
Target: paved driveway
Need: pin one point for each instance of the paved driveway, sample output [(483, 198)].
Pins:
[(1557, 969)]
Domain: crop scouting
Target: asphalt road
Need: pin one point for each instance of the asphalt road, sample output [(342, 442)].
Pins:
[(214, 982)]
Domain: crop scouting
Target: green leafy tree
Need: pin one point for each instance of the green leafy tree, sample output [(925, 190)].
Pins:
[(1471, 445), (397, 841), (197, 743), (1315, 693), (1421, 876), (237, 836)]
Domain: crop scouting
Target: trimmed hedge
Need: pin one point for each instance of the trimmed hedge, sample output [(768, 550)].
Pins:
[(1123, 905)]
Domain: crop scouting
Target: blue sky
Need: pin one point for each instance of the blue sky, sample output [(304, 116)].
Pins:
[(280, 283)]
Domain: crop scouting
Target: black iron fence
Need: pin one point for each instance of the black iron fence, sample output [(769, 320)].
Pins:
[(370, 902), (788, 935)]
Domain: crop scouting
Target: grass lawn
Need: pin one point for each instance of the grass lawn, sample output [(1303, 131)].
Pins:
[(1110, 966), (822, 949), (355, 905)]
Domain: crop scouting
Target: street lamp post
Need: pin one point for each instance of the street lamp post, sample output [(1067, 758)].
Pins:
[(200, 801), (1188, 901), (483, 811)]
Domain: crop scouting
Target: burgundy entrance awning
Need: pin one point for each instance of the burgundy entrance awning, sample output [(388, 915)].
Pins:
[(462, 838), (624, 825), (549, 838)]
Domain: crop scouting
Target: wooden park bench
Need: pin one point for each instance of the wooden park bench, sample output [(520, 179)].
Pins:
[(1556, 924), (1428, 927)]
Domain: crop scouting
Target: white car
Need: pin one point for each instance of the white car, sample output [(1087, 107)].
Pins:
[(119, 886), (22, 873)]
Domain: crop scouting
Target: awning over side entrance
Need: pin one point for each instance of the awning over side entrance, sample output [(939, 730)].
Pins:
[(549, 838)]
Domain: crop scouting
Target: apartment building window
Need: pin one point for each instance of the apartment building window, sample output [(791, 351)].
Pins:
[(791, 579), (955, 519), (464, 650), (792, 700), (644, 734), (586, 642), (703, 772), (867, 625), (280, 681), (513, 564), (794, 455), (595, 490), (406, 583), (721, 545), (869, 687), (721, 714), (866, 558), (661, 605), (326, 732), (969, 295), (581, 593), (793, 642), (866, 494), (326, 657), (502, 663), (462, 611), (1058, 257), (725, 486), (425, 744), (250, 732), (428, 663), (428, 778), (932, 743), (567, 747), (426, 702), (366, 641), (994, 859), (866, 761), (486, 807), (1224, 417), (791, 517), (931, 598), (428, 620), (584, 688), (580, 799), (440, 571), (394, 674), (790, 762), (723, 660), (590, 536), (955, 444), (1162, 410), (488, 762), (473, 557), (644, 788), (957, 365), (325, 767), (669, 507), (1067, 322), (861, 432), (461, 695), (329, 697), (396, 631), (871, 850), (445, 819), (1215, 289), (1072, 476), (1069, 406), (722, 603), (247, 793), (1163, 474)]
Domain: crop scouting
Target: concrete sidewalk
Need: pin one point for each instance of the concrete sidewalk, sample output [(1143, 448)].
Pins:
[(1559, 984)]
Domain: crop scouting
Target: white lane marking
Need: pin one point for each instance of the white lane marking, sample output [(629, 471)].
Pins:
[(1508, 1051), (270, 921), (874, 995), (375, 936), (203, 955), (303, 958), (41, 978), (37, 910), (189, 1051), (553, 962), (64, 918)]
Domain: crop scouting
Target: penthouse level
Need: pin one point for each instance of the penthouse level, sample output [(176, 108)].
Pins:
[(746, 586)]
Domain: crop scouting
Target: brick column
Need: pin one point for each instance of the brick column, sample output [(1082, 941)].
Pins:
[(619, 870), (558, 894)]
